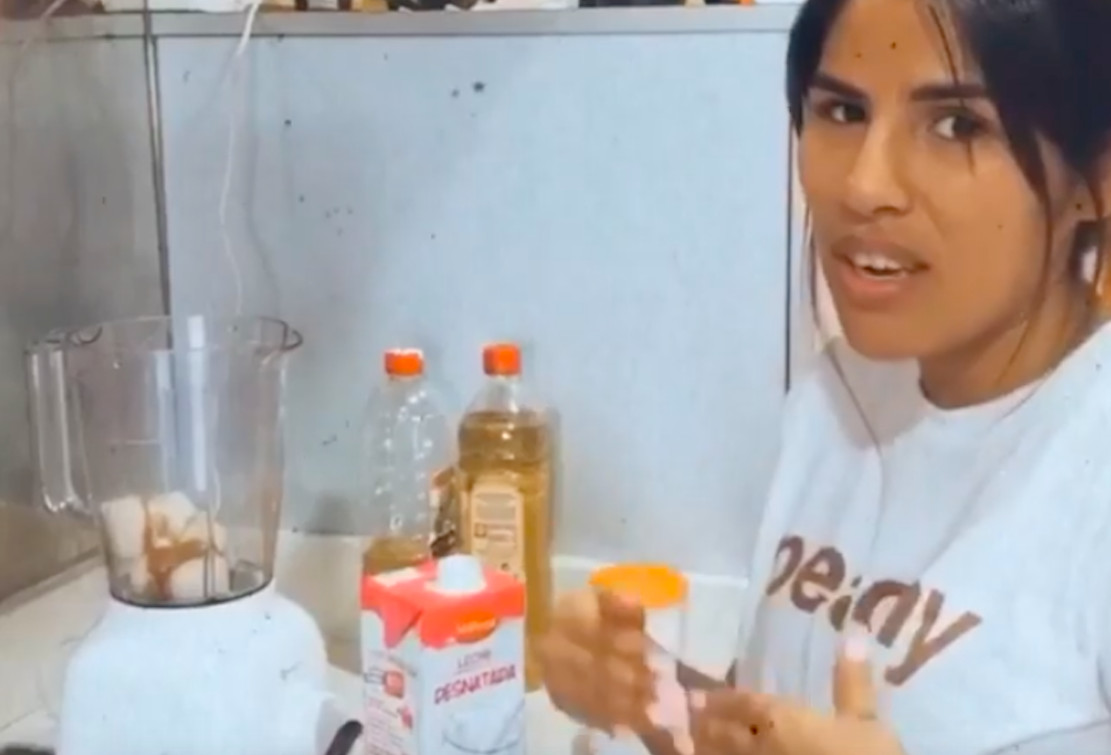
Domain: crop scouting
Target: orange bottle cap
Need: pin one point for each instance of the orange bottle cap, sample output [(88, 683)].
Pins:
[(654, 586), (404, 362), (501, 359)]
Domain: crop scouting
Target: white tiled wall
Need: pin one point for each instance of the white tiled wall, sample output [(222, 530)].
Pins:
[(616, 202)]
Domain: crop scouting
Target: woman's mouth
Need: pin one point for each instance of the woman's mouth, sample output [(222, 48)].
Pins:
[(878, 265), (871, 278)]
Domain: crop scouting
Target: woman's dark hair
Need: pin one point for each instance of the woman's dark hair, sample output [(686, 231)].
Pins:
[(1046, 65)]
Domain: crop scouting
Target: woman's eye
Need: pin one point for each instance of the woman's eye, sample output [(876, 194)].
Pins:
[(842, 112), (958, 127)]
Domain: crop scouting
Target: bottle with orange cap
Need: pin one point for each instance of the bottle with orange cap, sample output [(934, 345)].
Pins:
[(505, 482), (409, 458), (662, 591)]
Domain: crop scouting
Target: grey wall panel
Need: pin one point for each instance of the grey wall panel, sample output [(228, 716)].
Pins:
[(77, 239), (616, 202)]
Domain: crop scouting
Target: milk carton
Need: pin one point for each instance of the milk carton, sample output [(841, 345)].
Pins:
[(443, 660)]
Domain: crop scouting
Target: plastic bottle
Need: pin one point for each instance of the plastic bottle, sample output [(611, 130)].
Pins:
[(662, 591), (505, 452), (409, 466)]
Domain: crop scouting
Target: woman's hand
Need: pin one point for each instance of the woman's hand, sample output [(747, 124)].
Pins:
[(734, 722), (594, 661)]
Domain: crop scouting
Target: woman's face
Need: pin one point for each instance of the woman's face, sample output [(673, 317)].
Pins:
[(928, 233)]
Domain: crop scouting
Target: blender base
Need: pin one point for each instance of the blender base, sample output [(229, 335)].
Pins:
[(238, 678)]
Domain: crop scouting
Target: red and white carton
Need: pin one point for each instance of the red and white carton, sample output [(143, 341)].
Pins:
[(443, 648)]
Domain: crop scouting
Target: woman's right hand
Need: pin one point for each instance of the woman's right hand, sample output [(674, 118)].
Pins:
[(594, 661)]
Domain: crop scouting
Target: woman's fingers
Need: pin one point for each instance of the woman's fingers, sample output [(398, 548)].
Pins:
[(736, 705), (564, 663), (619, 611), (577, 615), (730, 722), (594, 661), (854, 691), (628, 689), (721, 736), (621, 648)]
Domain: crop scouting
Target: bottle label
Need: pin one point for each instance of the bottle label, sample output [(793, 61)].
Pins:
[(445, 513), (497, 526)]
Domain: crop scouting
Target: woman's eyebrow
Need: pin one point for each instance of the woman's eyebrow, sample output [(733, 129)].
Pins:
[(950, 90), (834, 85), (943, 90)]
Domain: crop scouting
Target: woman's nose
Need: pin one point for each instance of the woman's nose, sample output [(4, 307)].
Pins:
[(876, 185)]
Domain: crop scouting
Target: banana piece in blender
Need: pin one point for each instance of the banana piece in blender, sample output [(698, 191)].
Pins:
[(203, 529), (168, 515), (188, 582), (125, 520)]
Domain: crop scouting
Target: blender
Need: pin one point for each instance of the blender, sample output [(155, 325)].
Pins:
[(166, 432)]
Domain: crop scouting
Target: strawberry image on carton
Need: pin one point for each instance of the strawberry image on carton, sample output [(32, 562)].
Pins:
[(443, 648)]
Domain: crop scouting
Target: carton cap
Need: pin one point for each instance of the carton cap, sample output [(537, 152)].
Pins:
[(459, 574)]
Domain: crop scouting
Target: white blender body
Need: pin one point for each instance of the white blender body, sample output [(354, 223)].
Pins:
[(245, 677), (167, 432)]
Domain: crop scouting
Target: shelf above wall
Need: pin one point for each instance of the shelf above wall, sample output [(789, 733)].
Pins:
[(72, 28), (775, 18)]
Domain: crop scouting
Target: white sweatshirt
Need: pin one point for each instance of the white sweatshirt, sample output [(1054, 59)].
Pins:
[(975, 544)]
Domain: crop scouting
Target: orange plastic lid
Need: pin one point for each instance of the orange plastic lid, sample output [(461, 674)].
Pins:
[(501, 359), (404, 362), (655, 586)]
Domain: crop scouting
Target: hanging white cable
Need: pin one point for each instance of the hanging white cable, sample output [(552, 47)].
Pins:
[(238, 92), (238, 95)]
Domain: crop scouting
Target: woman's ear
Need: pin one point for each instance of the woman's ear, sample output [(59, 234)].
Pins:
[(1098, 221), (1100, 200), (1101, 276), (1091, 196)]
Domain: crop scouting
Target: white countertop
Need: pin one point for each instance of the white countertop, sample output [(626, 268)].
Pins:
[(549, 732), (35, 637)]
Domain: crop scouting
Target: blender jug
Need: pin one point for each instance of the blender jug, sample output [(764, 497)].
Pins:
[(167, 431)]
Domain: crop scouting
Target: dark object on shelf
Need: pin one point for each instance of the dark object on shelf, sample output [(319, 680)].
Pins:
[(626, 3), (648, 3), (345, 740), (422, 5), (22, 750), (32, 9)]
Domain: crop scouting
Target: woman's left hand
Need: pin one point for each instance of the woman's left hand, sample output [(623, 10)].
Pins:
[(735, 722)]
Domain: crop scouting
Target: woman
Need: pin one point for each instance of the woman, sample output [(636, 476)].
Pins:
[(934, 561)]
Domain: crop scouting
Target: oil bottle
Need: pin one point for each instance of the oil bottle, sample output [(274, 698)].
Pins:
[(505, 470)]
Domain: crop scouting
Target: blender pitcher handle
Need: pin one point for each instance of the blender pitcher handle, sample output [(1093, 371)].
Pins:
[(52, 454)]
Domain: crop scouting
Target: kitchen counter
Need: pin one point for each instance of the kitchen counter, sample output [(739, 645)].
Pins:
[(37, 635), (36, 546), (549, 732)]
